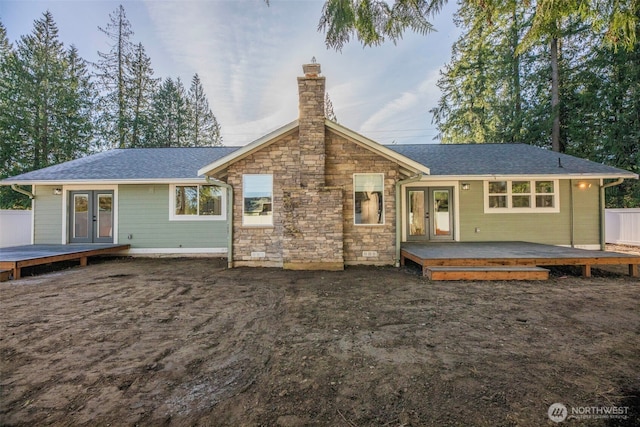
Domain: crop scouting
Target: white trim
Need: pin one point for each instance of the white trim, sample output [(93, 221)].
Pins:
[(517, 177), (378, 148), (434, 184), (172, 205), (248, 149), (258, 225), (384, 213), (79, 187), (86, 182), (175, 251), (509, 194)]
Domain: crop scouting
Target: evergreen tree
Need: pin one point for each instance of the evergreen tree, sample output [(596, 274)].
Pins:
[(143, 86), (170, 116), (114, 74), (204, 129), (12, 153)]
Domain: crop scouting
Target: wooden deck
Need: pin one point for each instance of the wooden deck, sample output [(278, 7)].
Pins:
[(17, 257), (514, 254)]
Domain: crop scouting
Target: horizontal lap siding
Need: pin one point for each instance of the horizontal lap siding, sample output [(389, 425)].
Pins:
[(47, 216), (547, 228), (144, 213)]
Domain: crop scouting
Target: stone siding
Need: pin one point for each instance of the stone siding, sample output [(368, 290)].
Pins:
[(343, 159)]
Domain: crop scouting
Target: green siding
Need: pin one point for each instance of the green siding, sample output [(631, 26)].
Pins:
[(548, 228), (144, 213), (47, 216)]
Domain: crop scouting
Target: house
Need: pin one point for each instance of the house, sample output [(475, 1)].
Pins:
[(316, 195)]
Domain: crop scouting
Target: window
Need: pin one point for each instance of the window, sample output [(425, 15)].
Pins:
[(257, 204), (197, 202), (368, 193), (521, 196)]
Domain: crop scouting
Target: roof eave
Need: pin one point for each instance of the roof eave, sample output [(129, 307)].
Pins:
[(247, 150), (197, 180), (380, 149), (553, 176)]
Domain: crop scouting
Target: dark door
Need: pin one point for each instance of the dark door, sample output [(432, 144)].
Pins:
[(91, 216)]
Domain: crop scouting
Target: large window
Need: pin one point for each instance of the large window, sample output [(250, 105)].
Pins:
[(521, 196), (197, 202), (257, 204), (368, 191)]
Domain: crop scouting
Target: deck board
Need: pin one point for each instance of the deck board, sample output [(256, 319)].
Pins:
[(17, 257), (513, 254)]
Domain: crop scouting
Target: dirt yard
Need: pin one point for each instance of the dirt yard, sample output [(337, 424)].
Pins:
[(186, 342)]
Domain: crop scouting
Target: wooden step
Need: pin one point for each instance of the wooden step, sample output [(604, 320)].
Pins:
[(5, 275), (487, 273)]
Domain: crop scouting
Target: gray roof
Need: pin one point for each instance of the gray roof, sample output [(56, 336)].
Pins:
[(174, 164), (132, 164), (501, 159)]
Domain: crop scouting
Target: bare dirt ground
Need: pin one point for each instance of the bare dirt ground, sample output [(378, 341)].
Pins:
[(187, 342)]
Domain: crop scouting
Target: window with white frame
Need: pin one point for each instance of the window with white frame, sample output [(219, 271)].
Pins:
[(368, 196), (257, 203), (197, 202), (522, 195)]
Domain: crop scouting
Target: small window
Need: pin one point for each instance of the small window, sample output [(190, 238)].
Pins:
[(194, 202), (521, 196), (257, 205), (368, 198)]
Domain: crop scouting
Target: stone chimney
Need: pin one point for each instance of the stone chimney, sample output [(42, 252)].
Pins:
[(311, 89)]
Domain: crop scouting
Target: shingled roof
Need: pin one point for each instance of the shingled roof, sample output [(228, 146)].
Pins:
[(502, 159), (180, 164), (132, 164)]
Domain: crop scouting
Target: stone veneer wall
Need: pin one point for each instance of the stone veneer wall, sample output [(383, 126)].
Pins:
[(343, 159), (282, 159), (314, 228)]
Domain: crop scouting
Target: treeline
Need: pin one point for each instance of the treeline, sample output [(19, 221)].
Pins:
[(547, 80), (55, 106)]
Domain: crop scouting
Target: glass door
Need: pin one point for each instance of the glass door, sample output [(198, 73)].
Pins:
[(429, 214), (91, 216), (441, 213)]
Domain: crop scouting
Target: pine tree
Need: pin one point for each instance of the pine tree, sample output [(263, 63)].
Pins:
[(204, 129), (170, 116), (115, 76), (12, 147), (143, 86)]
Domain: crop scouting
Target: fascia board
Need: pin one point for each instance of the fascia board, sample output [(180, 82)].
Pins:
[(248, 149), (378, 148), (531, 176)]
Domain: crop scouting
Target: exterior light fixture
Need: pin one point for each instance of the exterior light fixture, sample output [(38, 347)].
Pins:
[(466, 186), (583, 185), (57, 191)]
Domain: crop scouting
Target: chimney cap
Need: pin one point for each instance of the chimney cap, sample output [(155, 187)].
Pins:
[(311, 70)]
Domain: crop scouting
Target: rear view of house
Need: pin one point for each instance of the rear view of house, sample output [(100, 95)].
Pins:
[(314, 194)]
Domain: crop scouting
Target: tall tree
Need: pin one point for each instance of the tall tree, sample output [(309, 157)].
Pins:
[(143, 86), (115, 76), (204, 129), (12, 153), (374, 22), (170, 117)]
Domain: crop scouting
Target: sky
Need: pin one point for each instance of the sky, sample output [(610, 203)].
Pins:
[(248, 55)]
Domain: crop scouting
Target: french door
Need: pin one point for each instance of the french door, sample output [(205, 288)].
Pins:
[(91, 216), (429, 214)]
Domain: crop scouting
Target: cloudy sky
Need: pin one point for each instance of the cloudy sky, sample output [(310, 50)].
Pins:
[(248, 56)]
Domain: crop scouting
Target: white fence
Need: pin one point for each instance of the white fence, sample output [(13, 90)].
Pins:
[(15, 228), (622, 226)]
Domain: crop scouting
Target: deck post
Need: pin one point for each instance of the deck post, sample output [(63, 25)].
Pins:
[(586, 270), (633, 270)]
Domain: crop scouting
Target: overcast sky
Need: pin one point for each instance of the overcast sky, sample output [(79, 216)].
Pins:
[(248, 56)]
